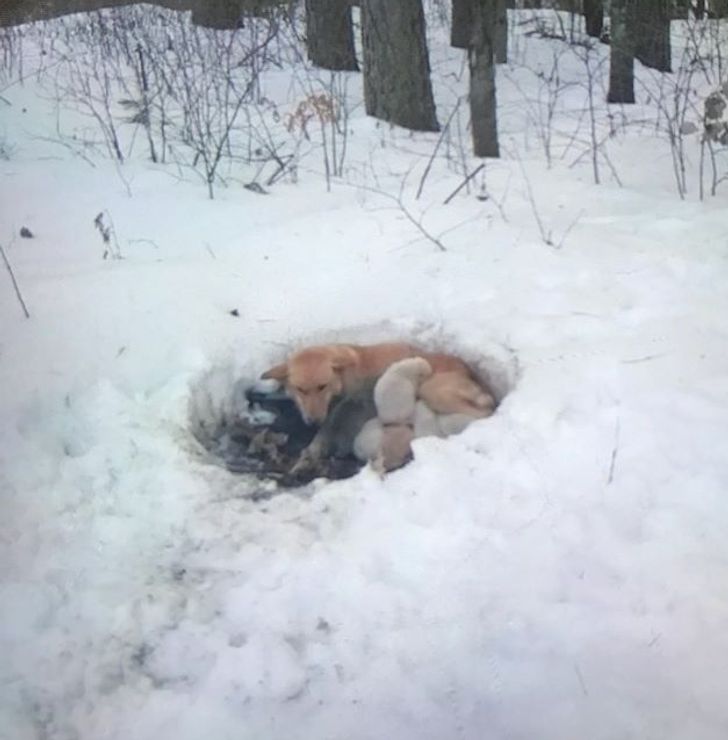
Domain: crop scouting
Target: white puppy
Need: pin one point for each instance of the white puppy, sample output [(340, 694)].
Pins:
[(369, 440), (386, 440), (395, 393)]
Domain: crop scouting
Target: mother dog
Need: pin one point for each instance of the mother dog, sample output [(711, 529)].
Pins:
[(315, 376)]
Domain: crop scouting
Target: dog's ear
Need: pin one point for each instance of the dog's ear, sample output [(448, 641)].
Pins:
[(343, 357), (277, 372)]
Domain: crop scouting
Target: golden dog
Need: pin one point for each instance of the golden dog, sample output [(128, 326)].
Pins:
[(314, 376)]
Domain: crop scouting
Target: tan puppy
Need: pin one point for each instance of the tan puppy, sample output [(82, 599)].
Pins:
[(314, 376)]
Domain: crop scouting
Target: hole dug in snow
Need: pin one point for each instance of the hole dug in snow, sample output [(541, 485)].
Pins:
[(253, 427)]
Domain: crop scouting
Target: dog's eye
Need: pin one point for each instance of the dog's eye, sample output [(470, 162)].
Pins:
[(322, 387), (302, 391)]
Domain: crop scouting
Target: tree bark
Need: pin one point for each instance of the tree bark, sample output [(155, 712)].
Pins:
[(397, 86), (594, 17), (330, 35), (621, 56), (461, 29), (482, 80), (652, 38), (219, 14), (720, 8), (501, 32)]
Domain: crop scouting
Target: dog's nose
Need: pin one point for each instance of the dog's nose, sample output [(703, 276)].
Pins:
[(309, 420)]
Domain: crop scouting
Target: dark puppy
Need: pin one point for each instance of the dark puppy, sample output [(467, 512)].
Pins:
[(345, 421), (293, 452), (287, 418), (335, 437)]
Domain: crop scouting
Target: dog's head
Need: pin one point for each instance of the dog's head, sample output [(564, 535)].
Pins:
[(312, 377)]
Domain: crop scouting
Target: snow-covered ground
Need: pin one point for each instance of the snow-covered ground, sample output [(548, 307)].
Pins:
[(555, 572)]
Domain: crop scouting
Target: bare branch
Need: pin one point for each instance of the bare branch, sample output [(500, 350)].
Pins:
[(15, 282)]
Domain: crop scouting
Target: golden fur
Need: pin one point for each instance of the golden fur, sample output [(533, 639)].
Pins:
[(314, 376)]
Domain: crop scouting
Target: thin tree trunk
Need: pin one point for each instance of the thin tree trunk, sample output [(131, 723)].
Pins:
[(461, 30), (594, 17), (329, 35), (621, 57), (652, 38), (482, 80), (397, 85), (501, 32)]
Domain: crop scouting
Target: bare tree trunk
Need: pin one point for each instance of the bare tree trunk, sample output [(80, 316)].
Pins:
[(679, 9), (397, 85), (621, 57), (594, 17), (329, 35), (501, 32), (218, 15), (652, 37), (482, 80), (461, 30), (700, 9)]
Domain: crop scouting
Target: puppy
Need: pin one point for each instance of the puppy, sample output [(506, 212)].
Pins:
[(426, 423), (395, 396), (386, 441), (369, 441), (344, 422), (395, 393)]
